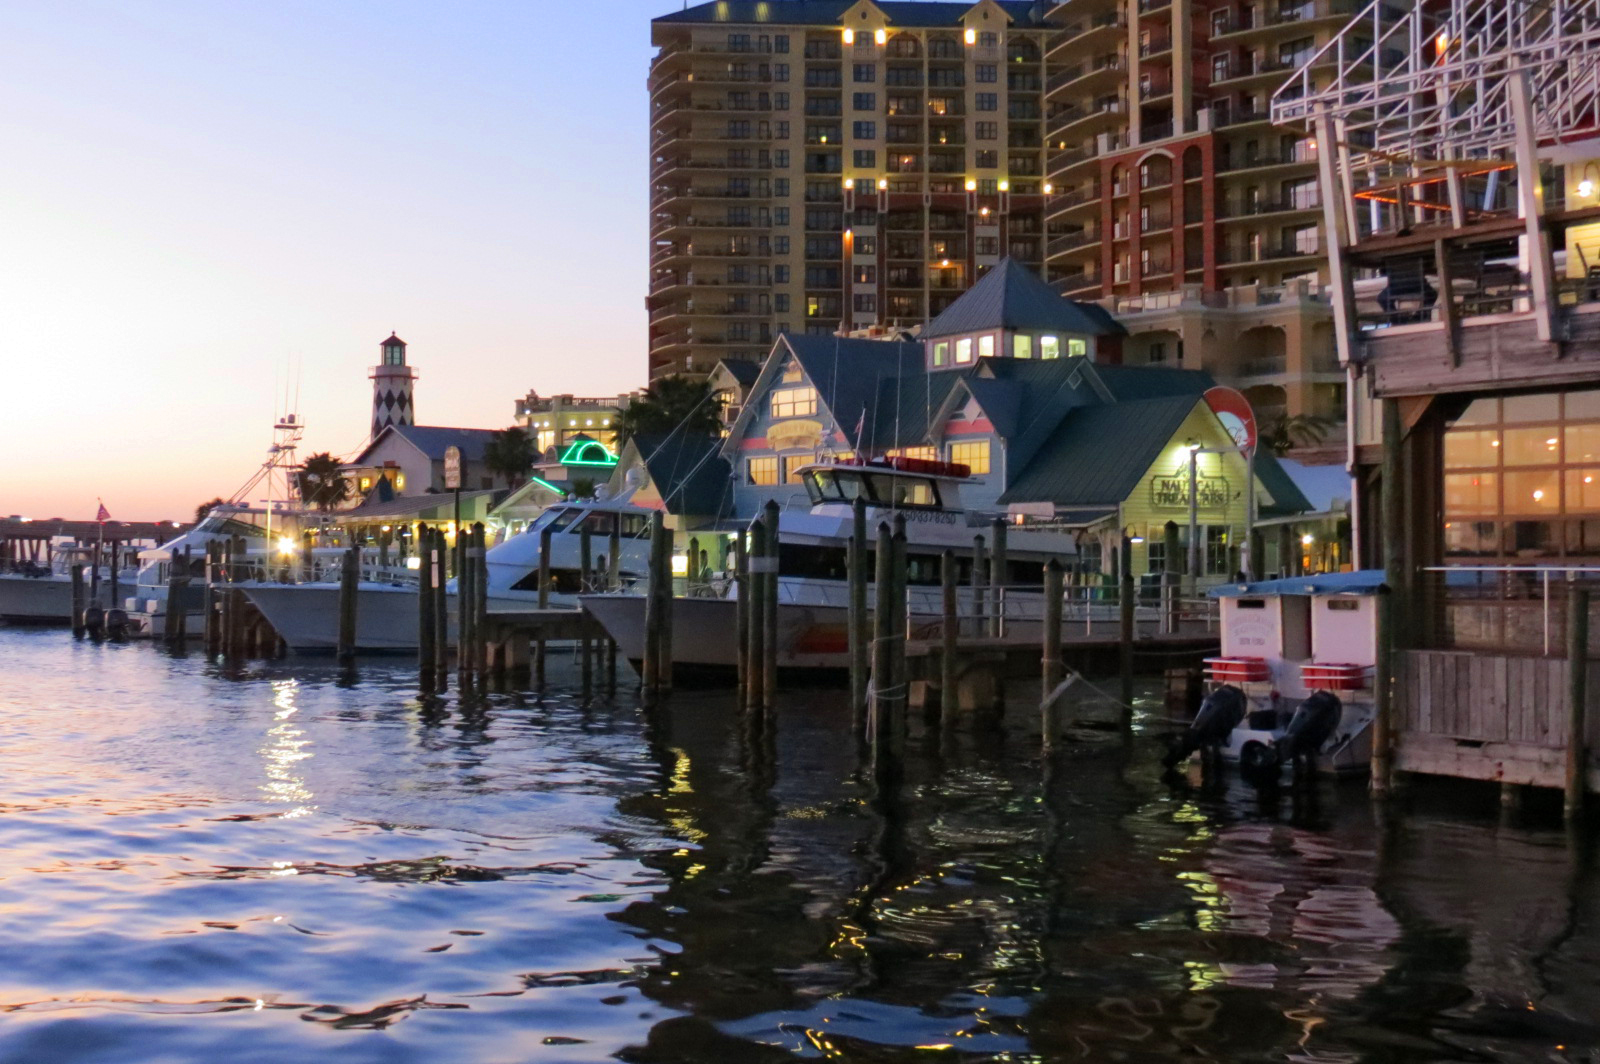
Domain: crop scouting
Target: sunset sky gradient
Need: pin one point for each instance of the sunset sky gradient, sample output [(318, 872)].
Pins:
[(200, 201)]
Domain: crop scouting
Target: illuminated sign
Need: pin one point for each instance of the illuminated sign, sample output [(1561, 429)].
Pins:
[(588, 453), (1172, 491)]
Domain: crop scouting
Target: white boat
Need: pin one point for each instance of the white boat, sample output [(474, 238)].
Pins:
[(42, 594), (813, 583), (306, 613), (1284, 639), (146, 603)]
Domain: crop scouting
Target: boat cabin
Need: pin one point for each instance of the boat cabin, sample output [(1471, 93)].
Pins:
[(891, 484), (1300, 634)]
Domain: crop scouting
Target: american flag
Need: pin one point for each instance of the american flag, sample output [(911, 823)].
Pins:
[(104, 515)]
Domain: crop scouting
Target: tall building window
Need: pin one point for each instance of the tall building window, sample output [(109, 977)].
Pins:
[(780, 302), (780, 42), (987, 130), (794, 402), (780, 245), (988, 160), (988, 39), (974, 454), (761, 471), (864, 158), (987, 101), (866, 303), (780, 158), (780, 71), (864, 101), (864, 130), (864, 73), (780, 216), (988, 186), (985, 73)]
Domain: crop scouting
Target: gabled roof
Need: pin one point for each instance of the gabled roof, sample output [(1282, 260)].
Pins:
[(434, 440), (900, 13), (691, 476), (1096, 456), (410, 505), (848, 375), (1011, 296), (742, 370)]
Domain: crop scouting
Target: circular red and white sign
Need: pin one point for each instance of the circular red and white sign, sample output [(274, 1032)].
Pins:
[(1233, 410)]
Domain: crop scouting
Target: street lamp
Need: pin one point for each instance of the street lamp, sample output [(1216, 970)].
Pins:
[(1245, 559)]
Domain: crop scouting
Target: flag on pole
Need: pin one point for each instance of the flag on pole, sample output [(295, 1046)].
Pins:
[(104, 515)]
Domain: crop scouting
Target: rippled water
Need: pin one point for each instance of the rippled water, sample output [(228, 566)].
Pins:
[(289, 863)]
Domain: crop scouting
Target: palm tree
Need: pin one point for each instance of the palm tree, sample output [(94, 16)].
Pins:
[(205, 508), (667, 404), (510, 454), (1288, 431), (322, 483)]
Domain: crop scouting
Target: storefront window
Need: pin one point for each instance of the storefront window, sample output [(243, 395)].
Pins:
[(1522, 477)]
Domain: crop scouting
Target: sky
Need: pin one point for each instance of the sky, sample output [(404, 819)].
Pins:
[(206, 207)]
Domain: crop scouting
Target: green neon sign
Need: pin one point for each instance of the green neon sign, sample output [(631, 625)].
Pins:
[(588, 453), (543, 483)]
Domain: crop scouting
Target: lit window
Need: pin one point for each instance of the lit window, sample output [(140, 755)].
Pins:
[(941, 352), (927, 454), (1077, 348), (794, 402), (963, 351), (974, 455), (761, 471), (986, 347), (1049, 347), (792, 466), (366, 483), (400, 482), (1022, 346)]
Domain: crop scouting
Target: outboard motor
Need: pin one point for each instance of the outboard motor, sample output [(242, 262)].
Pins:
[(1220, 713), (1312, 725)]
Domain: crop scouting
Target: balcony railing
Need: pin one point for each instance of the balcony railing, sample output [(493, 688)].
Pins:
[(1271, 206), (1233, 256), (1304, 154)]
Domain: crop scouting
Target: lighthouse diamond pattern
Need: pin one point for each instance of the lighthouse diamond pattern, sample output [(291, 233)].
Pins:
[(392, 382)]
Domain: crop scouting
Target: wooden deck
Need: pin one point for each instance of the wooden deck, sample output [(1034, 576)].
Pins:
[(1484, 716)]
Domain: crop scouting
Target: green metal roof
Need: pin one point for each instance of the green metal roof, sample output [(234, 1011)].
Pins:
[(1097, 455), (1011, 296)]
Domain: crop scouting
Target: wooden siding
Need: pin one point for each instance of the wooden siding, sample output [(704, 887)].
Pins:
[(1489, 716), (1497, 352)]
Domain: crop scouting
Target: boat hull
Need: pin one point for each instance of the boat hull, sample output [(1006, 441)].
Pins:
[(43, 599), (810, 637), (307, 615)]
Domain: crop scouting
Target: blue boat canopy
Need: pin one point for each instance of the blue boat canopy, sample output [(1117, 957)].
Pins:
[(1360, 582)]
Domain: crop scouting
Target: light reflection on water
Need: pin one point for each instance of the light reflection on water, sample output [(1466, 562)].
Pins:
[(285, 862)]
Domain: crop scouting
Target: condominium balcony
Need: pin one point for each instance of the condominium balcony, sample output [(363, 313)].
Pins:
[(1292, 18), (1088, 30), (1072, 242), (1245, 255), (1307, 204), (1265, 68), (1303, 155), (1085, 75), (1081, 119)]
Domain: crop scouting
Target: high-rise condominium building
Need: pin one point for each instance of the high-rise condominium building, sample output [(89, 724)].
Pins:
[(828, 165), (823, 165)]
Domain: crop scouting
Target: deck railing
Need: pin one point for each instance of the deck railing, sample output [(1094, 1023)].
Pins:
[(1516, 608)]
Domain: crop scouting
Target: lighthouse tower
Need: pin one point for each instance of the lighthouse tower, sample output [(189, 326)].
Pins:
[(392, 382)]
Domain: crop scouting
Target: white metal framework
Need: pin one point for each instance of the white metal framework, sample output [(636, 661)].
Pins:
[(1434, 82)]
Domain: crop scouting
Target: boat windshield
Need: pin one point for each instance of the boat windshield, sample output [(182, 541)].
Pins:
[(880, 487)]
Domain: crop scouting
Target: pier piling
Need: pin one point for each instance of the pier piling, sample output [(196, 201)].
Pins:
[(441, 616), (1125, 604), (949, 630), (755, 653), (653, 603), (426, 634), (349, 587), (769, 614), (857, 562), (882, 638), (1049, 711), (997, 576), (77, 600), (1577, 694), (585, 567), (544, 601), (741, 595)]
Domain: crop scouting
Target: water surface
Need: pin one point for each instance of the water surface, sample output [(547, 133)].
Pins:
[(291, 862)]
